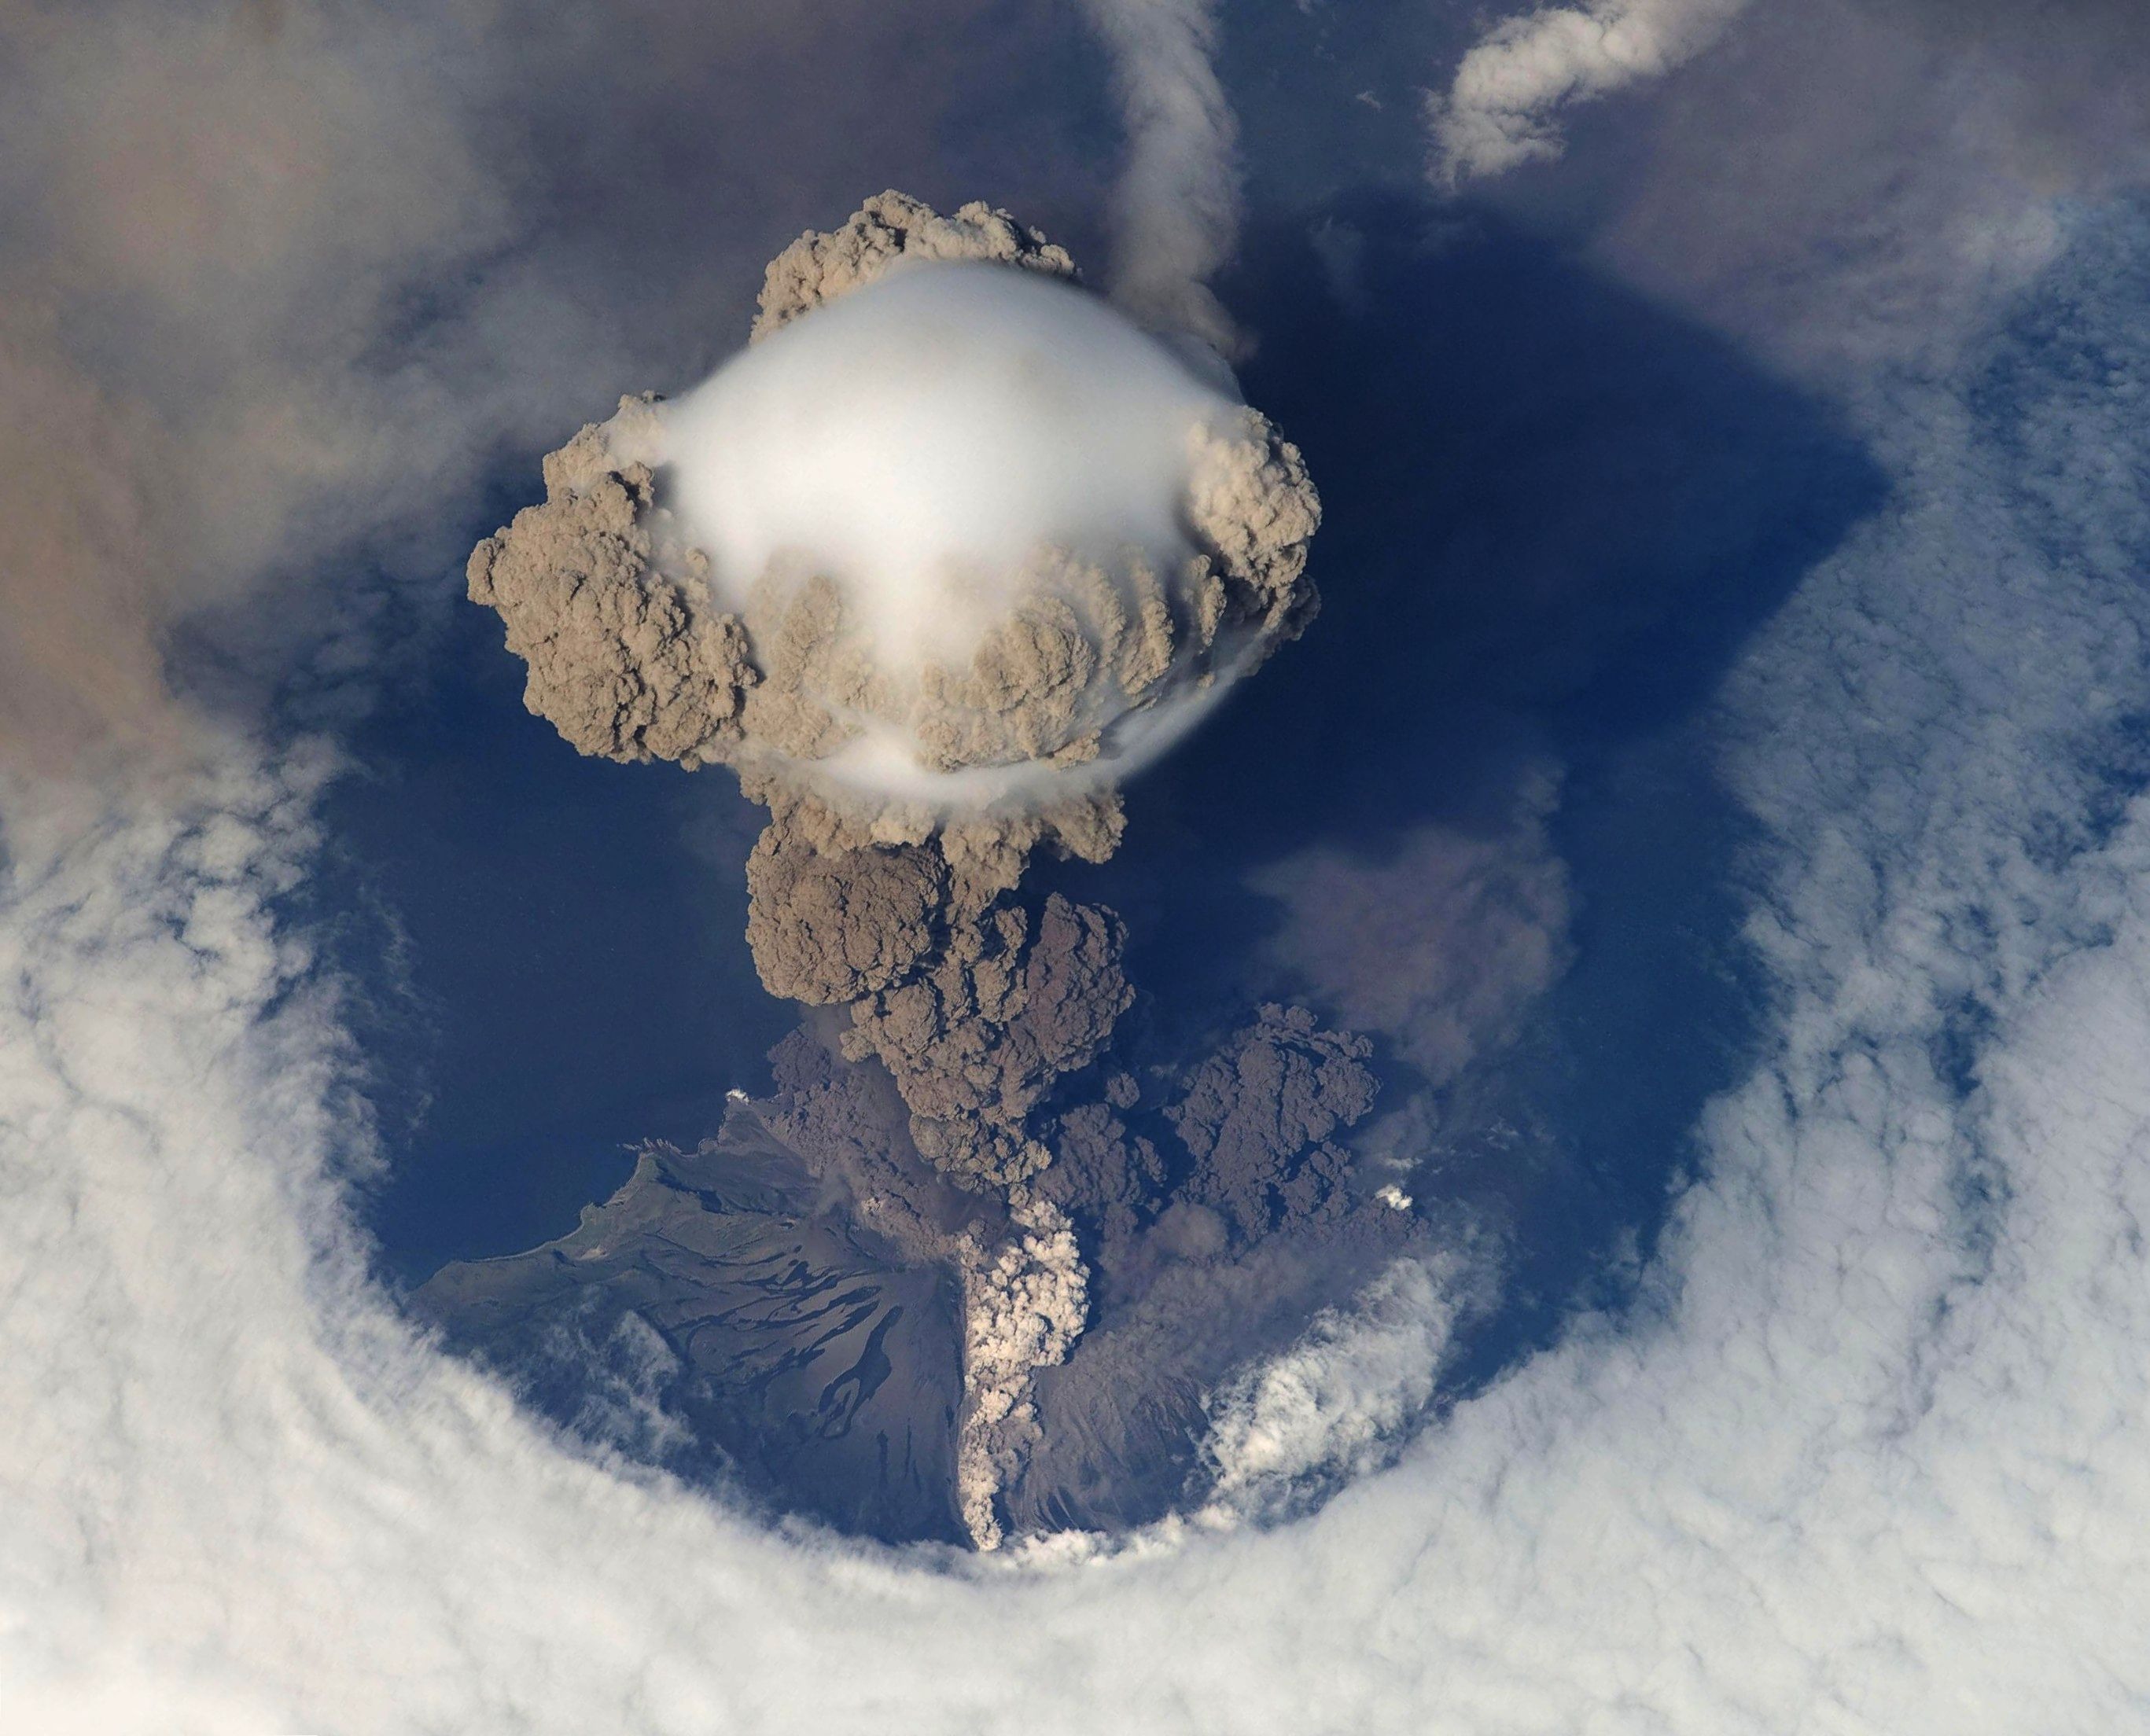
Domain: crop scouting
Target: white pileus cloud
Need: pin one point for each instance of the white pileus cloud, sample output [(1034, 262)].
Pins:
[(1503, 107), (917, 440), (952, 449), (955, 537)]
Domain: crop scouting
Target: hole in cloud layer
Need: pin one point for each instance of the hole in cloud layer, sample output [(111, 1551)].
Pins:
[(1867, 1456), (1207, 1235)]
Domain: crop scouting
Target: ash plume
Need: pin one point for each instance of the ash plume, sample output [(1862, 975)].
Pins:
[(968, 542), (974, 1004), (953, 679), (948, 550), (822, 265)]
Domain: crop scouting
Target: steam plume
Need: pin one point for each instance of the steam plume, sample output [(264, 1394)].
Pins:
[(969, 542), (1177, 202)]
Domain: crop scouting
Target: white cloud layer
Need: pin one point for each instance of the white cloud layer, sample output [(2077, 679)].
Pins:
[(1502, 109), (1874, 1456)]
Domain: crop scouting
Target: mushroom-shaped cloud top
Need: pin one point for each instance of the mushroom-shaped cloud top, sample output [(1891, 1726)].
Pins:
[(964, 540)]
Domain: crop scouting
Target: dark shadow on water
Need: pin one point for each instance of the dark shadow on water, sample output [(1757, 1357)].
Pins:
[(1553, 514)]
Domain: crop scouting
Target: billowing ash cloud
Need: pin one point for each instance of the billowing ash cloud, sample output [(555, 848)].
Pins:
[(963, 539), (949, 549)]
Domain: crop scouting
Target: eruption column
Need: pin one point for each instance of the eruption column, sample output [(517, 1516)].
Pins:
[(947, 551)]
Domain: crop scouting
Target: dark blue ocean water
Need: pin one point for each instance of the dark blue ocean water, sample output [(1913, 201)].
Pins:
[(555, 958)]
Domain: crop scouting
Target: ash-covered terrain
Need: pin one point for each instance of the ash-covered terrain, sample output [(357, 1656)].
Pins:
[(718, 1316), (784, 1308)]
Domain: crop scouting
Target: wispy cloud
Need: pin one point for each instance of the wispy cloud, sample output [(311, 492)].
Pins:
[(1900, 168), (1502, 108), (1336, 1404), (1176, 207)]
